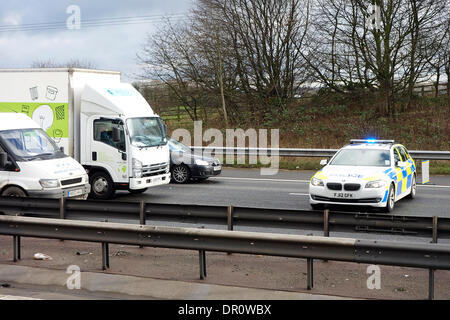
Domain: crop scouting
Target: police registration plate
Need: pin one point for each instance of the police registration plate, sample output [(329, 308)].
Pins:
[(343, 195)]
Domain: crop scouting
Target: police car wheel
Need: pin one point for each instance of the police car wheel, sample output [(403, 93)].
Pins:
[(390, 203), (412, 194)]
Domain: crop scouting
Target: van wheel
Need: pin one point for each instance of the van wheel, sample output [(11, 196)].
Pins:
[(102, 186), (390, 203), (14, 192)]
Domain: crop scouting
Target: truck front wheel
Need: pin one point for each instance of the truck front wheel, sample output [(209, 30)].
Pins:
[(102, 186), (14, 192)]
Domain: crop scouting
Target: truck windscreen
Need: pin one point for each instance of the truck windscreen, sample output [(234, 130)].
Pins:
[(146, 132), (30, 144)]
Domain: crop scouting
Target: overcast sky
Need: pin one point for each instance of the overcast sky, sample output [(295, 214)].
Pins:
[(108, 47)]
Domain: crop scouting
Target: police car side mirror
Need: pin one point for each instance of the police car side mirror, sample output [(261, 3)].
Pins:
[(323, 162), (402, 164)]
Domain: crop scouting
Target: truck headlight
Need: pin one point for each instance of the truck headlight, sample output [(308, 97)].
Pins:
[(376, 184), (137, 168), (200, 162), (49, 183), (317, 182)]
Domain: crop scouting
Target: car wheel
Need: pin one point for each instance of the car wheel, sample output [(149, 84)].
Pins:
[(181, 173), (14, 192), (412, 194), (102, 186), (137, 191), (390, 203)]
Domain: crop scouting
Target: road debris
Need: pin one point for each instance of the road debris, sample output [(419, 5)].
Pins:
[(42, 256)]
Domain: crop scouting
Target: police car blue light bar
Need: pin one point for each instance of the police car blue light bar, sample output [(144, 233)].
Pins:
[(354, 141)]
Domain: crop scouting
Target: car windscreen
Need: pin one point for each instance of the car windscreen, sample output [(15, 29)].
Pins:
[(362, 157), (174, 145), (30, 144), (146, 132)]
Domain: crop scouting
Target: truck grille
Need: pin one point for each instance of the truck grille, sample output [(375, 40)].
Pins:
[(155, 169), (71, 181)]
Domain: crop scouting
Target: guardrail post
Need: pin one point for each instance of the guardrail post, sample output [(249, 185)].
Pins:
[(202, 260), (309, 273), (431, 271), (230, 212), (62, 208), (435, 229), (142, 217), (16, 248), (105, 255), (326, 231), (230, 218)]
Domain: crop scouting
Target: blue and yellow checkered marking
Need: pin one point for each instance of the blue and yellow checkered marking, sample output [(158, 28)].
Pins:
[(403, 177)]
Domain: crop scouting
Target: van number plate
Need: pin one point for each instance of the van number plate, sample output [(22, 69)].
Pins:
[(75, 193), (343, 195)]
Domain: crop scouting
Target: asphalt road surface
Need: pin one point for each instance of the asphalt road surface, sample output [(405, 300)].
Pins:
[(286, 190)]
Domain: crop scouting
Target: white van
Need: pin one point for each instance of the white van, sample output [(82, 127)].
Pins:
[(31, 164)]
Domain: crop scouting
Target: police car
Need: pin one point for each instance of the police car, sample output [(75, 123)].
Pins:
[(370, 172)]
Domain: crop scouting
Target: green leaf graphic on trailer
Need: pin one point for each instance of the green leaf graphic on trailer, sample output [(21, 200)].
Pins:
[(53, 117)]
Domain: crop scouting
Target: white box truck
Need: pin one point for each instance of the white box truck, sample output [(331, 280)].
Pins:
[(103, 123), (31, 164)]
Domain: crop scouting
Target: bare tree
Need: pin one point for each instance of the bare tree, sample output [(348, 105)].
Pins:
[(240, 53), (73, 63), (382, 46)]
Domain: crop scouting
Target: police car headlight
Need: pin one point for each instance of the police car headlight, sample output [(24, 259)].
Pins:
[(316, 182), (376, 184)]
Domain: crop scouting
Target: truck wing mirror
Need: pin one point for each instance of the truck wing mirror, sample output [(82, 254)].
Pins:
[(3, 159), (323, 162), (165, 130), (116, 134)]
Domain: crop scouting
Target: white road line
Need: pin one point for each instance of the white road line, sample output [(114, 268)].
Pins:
[(16, 298), (255, 179), (299, 194), (432, 186), (303, 181)]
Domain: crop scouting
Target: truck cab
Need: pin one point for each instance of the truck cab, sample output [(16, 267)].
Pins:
[(31, 164), (126, 146)]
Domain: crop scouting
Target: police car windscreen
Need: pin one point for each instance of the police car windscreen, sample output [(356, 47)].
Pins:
[(360, 157)]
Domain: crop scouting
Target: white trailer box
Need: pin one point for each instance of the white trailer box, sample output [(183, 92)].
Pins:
[(103, 123)]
